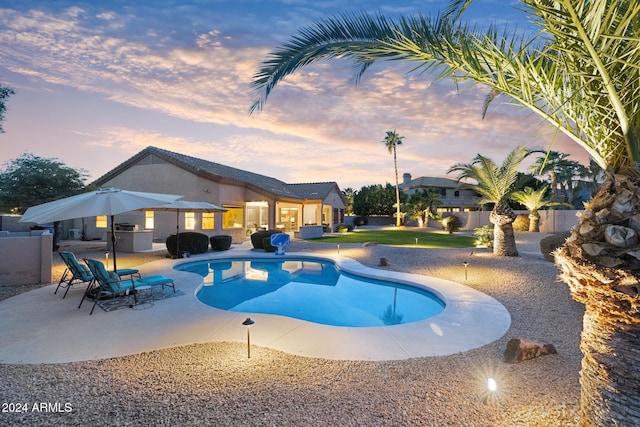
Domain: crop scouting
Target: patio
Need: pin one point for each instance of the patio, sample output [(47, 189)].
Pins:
[(471, 319)]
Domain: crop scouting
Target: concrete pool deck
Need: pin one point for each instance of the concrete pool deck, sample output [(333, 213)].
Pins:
[(40, 327)]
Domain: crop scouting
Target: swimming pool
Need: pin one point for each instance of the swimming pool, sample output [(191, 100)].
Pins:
[(315, 290)]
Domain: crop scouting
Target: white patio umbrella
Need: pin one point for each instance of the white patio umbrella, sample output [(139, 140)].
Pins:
[(186, 206), (105, 201)]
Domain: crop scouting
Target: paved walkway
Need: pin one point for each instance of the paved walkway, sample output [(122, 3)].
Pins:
[(40, 327)]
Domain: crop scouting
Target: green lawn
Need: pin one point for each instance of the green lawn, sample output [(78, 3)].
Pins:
[(400, 238)]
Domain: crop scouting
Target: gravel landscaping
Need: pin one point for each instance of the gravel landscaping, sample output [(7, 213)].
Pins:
[(215, 384)]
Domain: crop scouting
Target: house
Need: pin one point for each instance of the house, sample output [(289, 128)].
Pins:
[(453, 198), (252, 201)]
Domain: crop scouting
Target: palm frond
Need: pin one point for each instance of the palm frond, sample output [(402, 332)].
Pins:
[(581, 72), (535, 200), (494, 183), (349, 35)]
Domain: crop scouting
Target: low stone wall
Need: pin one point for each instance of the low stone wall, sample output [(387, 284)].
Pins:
[(26, 258)]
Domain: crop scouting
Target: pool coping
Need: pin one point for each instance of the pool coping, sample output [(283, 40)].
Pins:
[(41, 327)]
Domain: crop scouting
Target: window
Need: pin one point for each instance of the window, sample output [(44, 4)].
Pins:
[(148, 220), (233, 217), (326, 215), (189, 220), (257, 215), (288, 219), (207, 221), (101, 221), (456, 194)]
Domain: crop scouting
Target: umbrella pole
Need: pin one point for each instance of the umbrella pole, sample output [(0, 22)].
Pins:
[(178, 254), (113, 242)]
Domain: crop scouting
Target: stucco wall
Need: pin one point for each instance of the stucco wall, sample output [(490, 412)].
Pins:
[(170, 179), (26, 259), (12, 223), (334, 200), (551, 221)]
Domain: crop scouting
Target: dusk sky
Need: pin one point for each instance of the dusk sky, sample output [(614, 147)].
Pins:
[(98, 81)]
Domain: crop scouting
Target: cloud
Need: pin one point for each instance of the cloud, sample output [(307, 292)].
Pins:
[(317, 122)]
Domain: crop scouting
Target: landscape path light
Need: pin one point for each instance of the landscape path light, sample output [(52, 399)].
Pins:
[(491, 398), (492, 385), (466, 264), (248, 322)]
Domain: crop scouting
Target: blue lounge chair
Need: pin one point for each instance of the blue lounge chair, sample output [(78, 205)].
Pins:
[(110, 284), (77, 273), (74, 274)]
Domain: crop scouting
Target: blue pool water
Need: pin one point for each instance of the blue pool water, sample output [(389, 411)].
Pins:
[(313, 290)]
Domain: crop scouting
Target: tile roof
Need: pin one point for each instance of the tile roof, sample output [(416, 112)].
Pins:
[(227, 174), (431, 182), (313, 190)]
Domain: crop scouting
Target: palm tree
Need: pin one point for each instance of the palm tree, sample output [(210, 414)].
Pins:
[(424, 205), (550, 165), (580, 72), (595, 176), (566, 175), (495, 184), (348, 194), (391, 141), (534, 200), (431, 198)]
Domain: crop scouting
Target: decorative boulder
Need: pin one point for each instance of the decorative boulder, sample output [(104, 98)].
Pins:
[(520, 349), (220, 243), (550, 243)]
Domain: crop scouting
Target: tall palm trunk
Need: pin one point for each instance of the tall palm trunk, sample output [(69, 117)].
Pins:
[(504, 240), (554, 185), (569, 193), (395, 166), (600, 264)]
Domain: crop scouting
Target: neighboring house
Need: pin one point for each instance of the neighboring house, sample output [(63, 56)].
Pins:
[(252, 201), (453, 198)]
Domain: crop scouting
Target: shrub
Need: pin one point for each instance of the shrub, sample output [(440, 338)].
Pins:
[(266, 244), (551, 243), (220, 243), (189, 241), (521, 223), (343, 228), (360, 220), (258, 237), (484, 236), (452, 223)]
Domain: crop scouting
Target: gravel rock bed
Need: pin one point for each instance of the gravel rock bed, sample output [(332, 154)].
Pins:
[(215, 384)]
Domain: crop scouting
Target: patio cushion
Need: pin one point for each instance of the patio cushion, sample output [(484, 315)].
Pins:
[(74, 273), (127, 271), (155, 280)]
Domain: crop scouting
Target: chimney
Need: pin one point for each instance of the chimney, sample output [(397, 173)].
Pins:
[(406, 178)]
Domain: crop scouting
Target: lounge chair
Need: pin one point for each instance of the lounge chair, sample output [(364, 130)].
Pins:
[(110, 284), (77, 273), (74, 274)]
